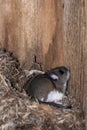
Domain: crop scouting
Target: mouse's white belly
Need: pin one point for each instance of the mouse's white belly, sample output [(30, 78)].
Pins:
[(54, 96)]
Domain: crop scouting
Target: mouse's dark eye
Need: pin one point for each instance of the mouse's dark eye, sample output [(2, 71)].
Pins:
[(61, 72)]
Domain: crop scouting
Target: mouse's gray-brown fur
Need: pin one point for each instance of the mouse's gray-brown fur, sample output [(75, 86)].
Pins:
[(49, 87)]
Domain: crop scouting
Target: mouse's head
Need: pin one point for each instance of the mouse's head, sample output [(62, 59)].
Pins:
[(61, 74)]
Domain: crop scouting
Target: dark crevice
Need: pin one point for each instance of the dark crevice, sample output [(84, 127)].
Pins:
[(36, 64)]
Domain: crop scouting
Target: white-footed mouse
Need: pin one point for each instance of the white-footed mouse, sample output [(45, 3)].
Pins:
[(49, 87)]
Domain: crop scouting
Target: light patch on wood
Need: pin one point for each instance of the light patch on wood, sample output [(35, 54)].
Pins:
[(47, 23)]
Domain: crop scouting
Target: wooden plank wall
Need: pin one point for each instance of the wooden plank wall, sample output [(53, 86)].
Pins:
[(74, 38), (33, 27), (85, 62), (54, 31)]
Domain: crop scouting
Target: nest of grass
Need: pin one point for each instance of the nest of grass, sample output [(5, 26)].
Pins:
[(18, 112)]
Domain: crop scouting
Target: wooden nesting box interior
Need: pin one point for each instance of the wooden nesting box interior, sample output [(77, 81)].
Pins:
[(50, 32)]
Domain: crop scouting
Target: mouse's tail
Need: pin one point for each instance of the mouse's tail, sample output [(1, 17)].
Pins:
[(58, 105)]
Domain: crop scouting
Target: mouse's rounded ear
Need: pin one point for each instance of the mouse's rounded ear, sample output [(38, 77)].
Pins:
[(54, 76)]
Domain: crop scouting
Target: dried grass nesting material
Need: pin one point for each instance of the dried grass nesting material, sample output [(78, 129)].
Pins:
[(18, 112), (10, 67), (14, 106)]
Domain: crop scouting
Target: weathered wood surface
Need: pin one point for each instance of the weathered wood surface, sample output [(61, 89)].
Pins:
[(74, 31), (54, 31), (33, 27), (75, 48), (85, 62)]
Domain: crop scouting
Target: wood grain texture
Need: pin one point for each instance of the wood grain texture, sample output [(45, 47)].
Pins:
[(33, 27), (73, 43), (55, 31), (51, 32), (18, 36), (85, 62), (75, 48)]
